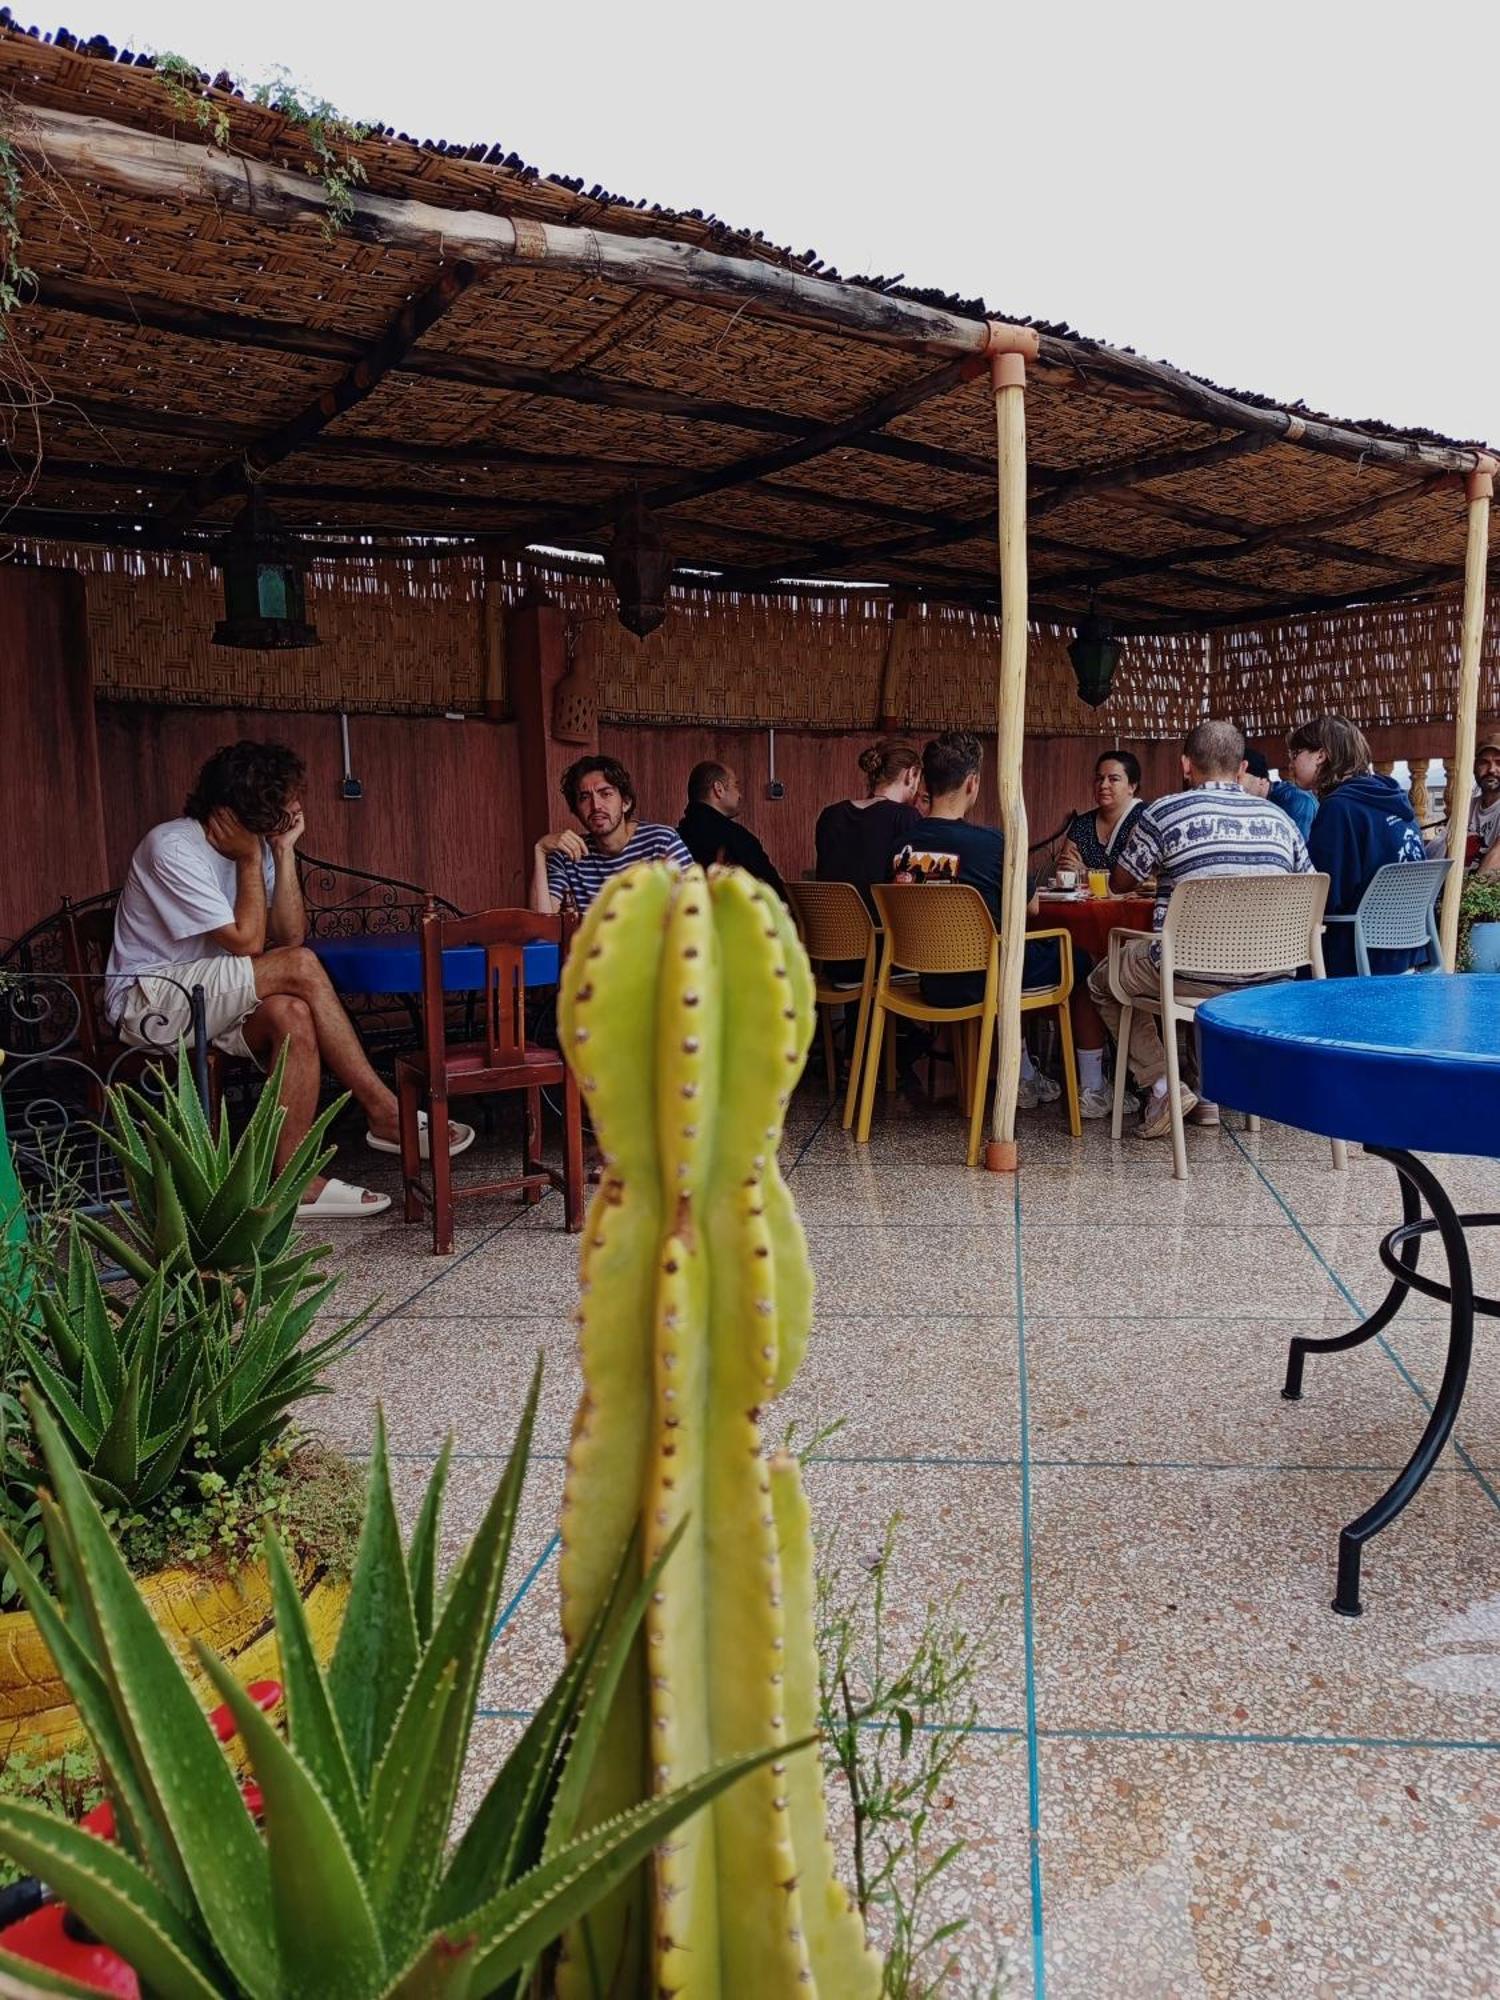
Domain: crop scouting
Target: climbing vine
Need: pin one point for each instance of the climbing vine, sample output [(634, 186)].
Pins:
[(331, 137), (15, 279)]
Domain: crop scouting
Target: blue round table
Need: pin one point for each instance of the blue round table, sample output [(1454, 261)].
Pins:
[(391, 962), (1399, 1065)]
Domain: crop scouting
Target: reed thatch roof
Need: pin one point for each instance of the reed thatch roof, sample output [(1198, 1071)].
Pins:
[(491, 355)]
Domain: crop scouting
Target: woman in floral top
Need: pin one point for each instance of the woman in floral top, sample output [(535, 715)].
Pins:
[(1094, 839)]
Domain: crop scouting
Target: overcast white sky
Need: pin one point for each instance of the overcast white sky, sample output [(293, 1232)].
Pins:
[(1294, 199)]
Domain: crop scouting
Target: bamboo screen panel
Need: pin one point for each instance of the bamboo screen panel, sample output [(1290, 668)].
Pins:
[(1381, 664), (398, 637), (820, 662)]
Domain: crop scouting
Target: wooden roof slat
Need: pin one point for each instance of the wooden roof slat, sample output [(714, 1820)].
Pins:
[(234, 475)]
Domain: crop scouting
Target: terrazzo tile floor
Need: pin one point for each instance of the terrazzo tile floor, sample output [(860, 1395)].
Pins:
[(1191, 1777)]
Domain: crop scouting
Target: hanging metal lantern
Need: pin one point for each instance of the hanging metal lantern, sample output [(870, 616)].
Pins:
[(1094, 652), (265, 601), (640, 567)]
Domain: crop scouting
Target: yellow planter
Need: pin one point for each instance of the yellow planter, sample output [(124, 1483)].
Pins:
[(230, 1613)]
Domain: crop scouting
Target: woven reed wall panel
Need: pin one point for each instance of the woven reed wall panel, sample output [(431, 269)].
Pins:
[(1379, 665), (398, 637), (818, 663)]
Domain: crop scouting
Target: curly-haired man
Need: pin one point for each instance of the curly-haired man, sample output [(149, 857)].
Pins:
[(212, 899), (601, 795)]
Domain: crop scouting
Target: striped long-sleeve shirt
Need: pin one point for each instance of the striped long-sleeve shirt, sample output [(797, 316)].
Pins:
[(587, 877)]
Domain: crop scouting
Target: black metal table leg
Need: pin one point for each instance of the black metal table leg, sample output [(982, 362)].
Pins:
[(1384, 1313), (1417, 1180)]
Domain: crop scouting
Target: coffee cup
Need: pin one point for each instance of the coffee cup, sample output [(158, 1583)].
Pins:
[(1067, 879)]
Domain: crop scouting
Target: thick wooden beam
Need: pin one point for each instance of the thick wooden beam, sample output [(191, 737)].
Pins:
[(177, 170), (1313, 545), (235, 474), (860, 423), (1481, 488), (1058, 489), (111, 304), (1009, 381), (1095, 576), (1096, 370)]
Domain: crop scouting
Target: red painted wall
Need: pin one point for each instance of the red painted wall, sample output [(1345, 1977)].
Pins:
[(51, 824), (441, 803)]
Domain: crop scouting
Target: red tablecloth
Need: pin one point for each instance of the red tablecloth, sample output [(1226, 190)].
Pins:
[(1089, 923)]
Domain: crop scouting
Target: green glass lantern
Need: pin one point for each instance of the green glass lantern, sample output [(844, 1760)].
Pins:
[(1094, 652), (265, 601)]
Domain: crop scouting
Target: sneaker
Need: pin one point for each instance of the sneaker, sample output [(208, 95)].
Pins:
[(1096, 1104), (1157, 1123), (1037, 1089), (1204, 1114)]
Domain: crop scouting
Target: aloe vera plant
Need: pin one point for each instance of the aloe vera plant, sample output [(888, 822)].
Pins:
[(180, 1374), (686, 1011), (198, 1201), (349, 1889)]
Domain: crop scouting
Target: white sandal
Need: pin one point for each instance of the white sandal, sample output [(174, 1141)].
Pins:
[(341, 1199), (460, 1139)]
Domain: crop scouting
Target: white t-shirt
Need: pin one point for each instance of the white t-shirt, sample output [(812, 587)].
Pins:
[(1485, 819), (177, 891)]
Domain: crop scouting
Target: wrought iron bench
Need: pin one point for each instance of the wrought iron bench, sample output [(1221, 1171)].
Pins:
[(59, 1052)]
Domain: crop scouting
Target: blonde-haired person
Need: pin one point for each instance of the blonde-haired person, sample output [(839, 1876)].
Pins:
[(855, 838), (1364, 821)]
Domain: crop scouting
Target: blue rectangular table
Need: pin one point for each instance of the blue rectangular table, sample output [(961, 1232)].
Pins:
[(391, 962)]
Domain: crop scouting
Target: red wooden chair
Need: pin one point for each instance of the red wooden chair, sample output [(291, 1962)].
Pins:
[(502, 1060)]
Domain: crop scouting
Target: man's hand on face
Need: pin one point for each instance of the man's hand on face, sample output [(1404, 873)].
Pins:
[(228, 835), (286, 840), (1258, 788), (571, 845)]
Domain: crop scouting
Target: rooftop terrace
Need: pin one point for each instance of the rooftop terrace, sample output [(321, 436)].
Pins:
[(1191, 1778)]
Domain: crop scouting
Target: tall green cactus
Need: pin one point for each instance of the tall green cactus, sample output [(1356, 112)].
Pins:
[(686, 1011)]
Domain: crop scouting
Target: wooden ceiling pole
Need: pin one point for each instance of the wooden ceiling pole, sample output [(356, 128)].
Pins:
[(234, 475), (1480, 488), (177, 170), (1008, 381)]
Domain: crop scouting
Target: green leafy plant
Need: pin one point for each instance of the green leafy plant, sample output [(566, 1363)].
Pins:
[(894, 1724), (136, 1387), (199, 1203), (332, 138), (1479, 904), (350, 1888), (304, 1490), (17, 283), (69, 1784)]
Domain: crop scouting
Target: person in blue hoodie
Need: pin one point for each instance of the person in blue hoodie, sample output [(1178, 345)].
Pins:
[(1363, 821), (1300, 807)]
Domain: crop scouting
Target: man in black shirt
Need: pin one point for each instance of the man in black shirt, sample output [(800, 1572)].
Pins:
[(711, 830), (951, 766)]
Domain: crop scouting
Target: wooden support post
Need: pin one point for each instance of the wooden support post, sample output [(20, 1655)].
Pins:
[(1480, 488), (893, 666), (1008, 377), (1421, 804)]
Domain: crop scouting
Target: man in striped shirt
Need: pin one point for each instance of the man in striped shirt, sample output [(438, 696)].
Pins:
[(1213, 828), (601, 795)]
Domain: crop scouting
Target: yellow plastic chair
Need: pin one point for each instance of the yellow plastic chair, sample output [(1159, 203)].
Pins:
[(931, 928), (837, 928)]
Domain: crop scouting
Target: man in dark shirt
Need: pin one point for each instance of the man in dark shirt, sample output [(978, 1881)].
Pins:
[(711, 829), (951, 765)]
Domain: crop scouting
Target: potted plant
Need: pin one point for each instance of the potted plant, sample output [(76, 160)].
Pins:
[(1479, 924), (175, 1399), (349, 1883)]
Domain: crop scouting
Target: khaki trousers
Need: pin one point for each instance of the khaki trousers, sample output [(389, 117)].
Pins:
[(1142, 980)]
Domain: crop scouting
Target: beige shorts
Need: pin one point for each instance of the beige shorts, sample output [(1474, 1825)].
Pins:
[(158, 1010)]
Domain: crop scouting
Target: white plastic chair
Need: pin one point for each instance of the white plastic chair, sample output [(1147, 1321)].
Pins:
[(1223, 928), (1398, 912)]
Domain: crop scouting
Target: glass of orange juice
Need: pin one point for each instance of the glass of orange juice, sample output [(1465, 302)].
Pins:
[(1098, 883)]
